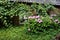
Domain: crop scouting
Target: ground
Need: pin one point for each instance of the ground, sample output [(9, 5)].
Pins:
[(19, 33)]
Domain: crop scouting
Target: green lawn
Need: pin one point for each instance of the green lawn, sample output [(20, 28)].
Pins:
[(19, 33)]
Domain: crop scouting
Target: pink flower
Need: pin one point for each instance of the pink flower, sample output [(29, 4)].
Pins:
[(37, 16), (39, 21), (33, 17), (56, 20)]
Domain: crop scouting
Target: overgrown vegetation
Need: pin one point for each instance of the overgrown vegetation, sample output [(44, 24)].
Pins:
[(35, 18), (10, 9), (41, 24)]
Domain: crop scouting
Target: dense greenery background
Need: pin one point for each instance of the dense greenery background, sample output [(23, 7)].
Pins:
[(10, 9)]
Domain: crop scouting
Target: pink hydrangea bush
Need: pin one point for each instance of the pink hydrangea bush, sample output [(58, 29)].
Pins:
[(33, 17), (39, 23), (37, 18)]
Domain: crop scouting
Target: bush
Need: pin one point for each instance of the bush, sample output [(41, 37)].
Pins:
[(11, 9), (37, 24)]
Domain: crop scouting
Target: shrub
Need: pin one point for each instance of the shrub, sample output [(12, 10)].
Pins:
[(7, 11), (42, 9), (10, 9), (40, 24)]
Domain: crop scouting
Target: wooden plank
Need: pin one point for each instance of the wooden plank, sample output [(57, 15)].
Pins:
[(54, 2), (37, 1), (57, 2)]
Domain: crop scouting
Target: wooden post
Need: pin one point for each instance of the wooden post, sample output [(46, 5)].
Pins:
[(15, 20)]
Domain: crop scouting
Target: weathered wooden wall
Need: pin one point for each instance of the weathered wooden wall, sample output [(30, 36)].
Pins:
[(55, 2)]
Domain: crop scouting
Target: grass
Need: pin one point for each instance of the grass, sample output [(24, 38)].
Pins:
[(19, 33)]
